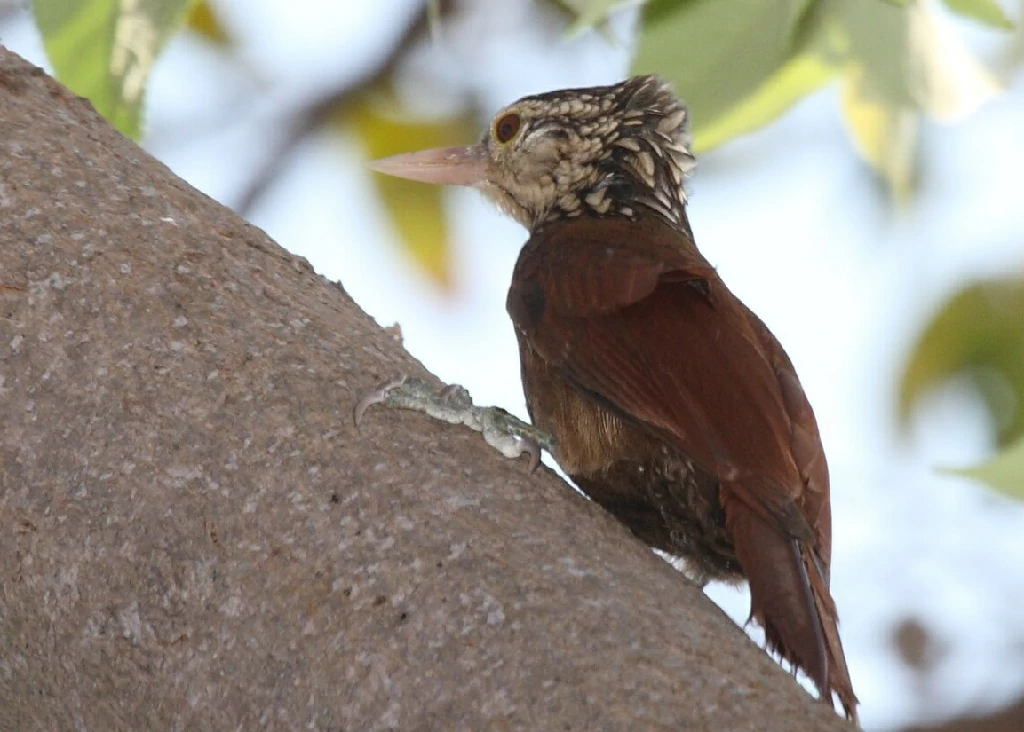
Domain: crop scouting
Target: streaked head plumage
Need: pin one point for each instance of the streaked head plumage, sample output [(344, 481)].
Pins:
[(611, 150)]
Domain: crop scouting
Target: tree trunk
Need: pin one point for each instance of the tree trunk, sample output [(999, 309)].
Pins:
[(193, 535)]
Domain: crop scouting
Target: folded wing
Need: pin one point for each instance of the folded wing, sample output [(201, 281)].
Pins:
[(647, 327)]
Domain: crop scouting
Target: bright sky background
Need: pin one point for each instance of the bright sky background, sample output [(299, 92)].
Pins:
[(794, 223)]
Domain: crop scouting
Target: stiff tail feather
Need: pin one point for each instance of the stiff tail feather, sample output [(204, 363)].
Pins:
[(789, 597)]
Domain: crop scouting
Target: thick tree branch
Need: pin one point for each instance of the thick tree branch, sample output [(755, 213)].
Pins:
[(192, 535)]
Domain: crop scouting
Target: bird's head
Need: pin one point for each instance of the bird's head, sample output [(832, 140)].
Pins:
[(600, 151)]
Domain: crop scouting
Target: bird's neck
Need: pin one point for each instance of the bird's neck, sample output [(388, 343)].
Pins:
[(630, 186), (632, 210)]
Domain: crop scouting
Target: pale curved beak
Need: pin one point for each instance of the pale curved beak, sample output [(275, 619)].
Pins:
[(458, 166)]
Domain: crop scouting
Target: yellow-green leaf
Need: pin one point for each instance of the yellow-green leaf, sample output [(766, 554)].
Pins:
[(903, 60), (416, 210), (884, 133), (104, 49), (950, 81), (797, 78), (977, 334), (987, 12), (717, 53), (1004, 472), (204, 21)]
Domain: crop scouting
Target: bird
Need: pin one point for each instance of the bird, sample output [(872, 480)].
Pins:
[(666, 399)]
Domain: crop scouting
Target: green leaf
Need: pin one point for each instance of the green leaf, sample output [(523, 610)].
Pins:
[(104, 49), (884, 133), (912, 57), (878, 36), (589, 13), (434, 16), (977, 335), (986, 12), (416, 210), (901, 61), (1004, 472), (797, 78), (717, 53)]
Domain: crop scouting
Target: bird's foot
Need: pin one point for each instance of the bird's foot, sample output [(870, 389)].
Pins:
[(504, 432)]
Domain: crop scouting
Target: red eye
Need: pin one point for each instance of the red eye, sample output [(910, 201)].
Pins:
[(507, 127)]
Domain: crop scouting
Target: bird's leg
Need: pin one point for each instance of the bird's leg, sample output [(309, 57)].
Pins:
[(504, 432)]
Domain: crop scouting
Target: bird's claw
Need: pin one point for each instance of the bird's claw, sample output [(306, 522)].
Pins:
[(510, 436), (507, 434), (377, 396)]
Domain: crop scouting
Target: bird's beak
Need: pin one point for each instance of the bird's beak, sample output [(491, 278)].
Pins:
[(458, 166)]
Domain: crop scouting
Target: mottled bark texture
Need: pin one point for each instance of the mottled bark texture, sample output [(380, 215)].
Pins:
[(193, 536)]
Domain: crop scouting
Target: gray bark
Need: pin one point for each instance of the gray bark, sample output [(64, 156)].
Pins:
[(193, 536)]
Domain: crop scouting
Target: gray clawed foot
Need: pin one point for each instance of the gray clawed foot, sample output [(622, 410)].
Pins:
[(504, 432), (377, 396)]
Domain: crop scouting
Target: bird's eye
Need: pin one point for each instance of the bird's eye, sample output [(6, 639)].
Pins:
[(507, 127)]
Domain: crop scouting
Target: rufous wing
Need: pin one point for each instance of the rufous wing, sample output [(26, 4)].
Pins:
[(632, 315)]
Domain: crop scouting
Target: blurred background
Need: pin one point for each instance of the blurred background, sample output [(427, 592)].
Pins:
[(859, 186)]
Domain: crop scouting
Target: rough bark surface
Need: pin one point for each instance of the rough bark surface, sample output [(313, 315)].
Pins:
[(193, 536)]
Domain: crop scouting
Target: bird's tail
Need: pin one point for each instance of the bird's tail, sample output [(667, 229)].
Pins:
[(790, 598)]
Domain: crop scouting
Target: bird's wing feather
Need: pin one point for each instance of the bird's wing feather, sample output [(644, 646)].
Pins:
[(652, 331), (644, 325)]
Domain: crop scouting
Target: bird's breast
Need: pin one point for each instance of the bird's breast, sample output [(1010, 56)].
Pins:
[(588, 435)]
